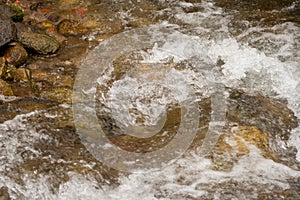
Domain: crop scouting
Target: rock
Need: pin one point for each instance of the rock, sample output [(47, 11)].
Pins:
[(22, 105), (7, 31), (5, 89), (21, 74), (69, 3), (5, 11), (68, 27), (264, 5), (13, 11), (4, 195), (7, 76), (45, 25), (267, 114), (235, 144), (256, 120), (2, 67), (40, 43), (58, 94), (16, 55), (56, 80)]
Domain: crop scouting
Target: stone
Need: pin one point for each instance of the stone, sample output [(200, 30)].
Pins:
[(16, 55), (5, 11), (39, 43), (234, 144), (45, 25), (7, 31), (253, 110), (259, 121), (56, 80), (265, 5), (68, 3), (58, 94), (12, 11), (73, 28), (5, 89), (4, 195), (2, 67), (21, 74)]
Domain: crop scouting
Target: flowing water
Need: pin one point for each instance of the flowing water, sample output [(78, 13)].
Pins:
[(203, 70)]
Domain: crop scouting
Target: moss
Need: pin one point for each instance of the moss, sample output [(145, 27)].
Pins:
[(18, 13)]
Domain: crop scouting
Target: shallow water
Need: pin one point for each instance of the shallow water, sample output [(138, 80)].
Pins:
[(42, 157)]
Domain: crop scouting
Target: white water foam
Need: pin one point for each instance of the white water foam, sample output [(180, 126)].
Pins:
[(197, 174)]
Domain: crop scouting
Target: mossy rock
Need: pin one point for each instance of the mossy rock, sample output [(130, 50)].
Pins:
[(17, 13)]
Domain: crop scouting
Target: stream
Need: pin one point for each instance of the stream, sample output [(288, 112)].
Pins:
[(203, 103)]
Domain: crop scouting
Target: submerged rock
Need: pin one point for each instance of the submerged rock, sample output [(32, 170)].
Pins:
[(59, 94), (235, 144), (256, 120), (73, 28), (40, 43), (16, 55), (4, 195)]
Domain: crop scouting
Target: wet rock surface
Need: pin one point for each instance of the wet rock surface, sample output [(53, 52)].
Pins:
[(270, 12), (15, 55), (4, 195)]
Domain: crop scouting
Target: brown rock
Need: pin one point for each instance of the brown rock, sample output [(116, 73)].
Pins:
[(45, 25), (54, 79), (4, 195), (16, 55), (2, 67), (5, 89), (74, 28), (58, 94), (21, 74), (235, 144)]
